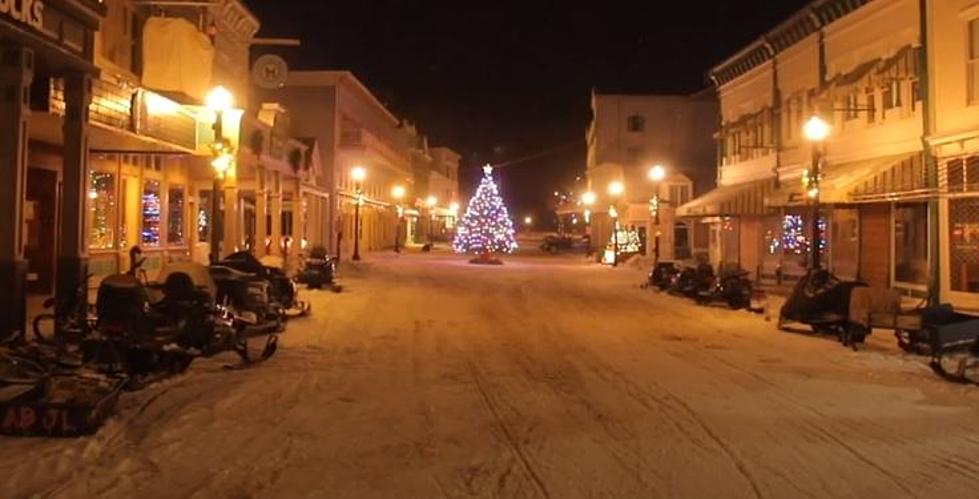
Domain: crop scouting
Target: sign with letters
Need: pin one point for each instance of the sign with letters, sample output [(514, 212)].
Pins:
[(29, 12)]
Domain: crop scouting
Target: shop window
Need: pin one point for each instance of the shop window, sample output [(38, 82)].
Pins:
[(911, 243), (964, 244), (151, 211), (102, 210), (972, 62), (204, 216), (175, 215), (794, 238)]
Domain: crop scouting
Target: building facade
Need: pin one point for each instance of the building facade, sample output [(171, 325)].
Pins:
[(629, 134), (353, 129), (952, 123), (858, 66), (54, 41)]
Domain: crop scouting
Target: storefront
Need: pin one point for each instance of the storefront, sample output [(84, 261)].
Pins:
[(53, 39)]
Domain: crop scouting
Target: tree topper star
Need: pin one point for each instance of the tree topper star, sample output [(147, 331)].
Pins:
[(488, 170)]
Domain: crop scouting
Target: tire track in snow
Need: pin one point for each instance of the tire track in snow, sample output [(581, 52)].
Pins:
[(818, 430), (512, 443)]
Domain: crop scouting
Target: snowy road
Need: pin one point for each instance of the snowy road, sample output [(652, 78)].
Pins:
[(543, 378)]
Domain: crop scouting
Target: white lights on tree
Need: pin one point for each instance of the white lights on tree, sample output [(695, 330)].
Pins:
[(486, 227)]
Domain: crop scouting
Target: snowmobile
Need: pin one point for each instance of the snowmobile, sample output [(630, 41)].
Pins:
[(663, 276), (148, 332), (731, 287), (282, 291), (319, 270), (822, 301)]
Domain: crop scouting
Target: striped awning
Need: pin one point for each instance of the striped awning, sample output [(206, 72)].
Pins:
[(887, 178), (747, 198)]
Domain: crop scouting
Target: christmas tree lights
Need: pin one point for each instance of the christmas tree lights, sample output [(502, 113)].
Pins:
[(486, 227)]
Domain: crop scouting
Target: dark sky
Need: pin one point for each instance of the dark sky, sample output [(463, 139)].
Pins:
[(505, 79)]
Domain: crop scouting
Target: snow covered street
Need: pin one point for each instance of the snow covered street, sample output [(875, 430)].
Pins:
[(546, 377)]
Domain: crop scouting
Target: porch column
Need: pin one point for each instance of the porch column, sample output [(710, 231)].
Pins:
[(261, 212), (16, 74), (230, 221), (72, 246), (294, 232), (275, 203)]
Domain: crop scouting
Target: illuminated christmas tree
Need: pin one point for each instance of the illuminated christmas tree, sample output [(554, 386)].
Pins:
[(486, 227)]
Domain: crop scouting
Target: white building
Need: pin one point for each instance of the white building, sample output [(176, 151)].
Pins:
[(855, 64), (629, 134)]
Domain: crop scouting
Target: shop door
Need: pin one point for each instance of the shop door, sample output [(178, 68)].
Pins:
[(40, 217), (875, 248), (844, 246)]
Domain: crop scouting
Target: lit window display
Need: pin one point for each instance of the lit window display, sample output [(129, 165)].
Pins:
[(794, 240), (964, 244), (175, 215), (204, 216), (151, 211), (102, 210)]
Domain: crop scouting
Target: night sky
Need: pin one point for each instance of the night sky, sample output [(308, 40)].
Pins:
[(504, 80)]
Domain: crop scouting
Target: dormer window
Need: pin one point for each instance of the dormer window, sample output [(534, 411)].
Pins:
[(636, 123)]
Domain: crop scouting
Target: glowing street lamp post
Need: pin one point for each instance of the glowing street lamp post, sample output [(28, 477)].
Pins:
[(815, 130), (219, 101), (588, 199), (615, 189), (358, 174), (656, 174), (398, 193)]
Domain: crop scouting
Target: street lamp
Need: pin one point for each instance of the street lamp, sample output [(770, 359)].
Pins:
[(431, 202), (815, 130), (588, 199), (358, 174), (615, 189), (219, 101), (398, 193), (656, 175)]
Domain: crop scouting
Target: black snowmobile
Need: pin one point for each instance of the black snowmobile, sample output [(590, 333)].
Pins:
[(282, 291), (663, 276), (822, 301), (148, 332), (732, 287), (319, 270)]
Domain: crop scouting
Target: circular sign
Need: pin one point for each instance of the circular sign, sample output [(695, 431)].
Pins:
[(270, 72)]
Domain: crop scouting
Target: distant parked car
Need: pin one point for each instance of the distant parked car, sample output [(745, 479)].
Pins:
[(553, 243)]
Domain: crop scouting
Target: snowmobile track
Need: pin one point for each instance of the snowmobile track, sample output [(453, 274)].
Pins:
[(511, 442)]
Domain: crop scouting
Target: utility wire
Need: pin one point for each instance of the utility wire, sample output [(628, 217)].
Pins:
[(524, 159)]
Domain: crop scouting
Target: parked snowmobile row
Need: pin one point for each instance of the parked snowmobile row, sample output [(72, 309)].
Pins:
[(139, 332), (732, 287), (848, 310)]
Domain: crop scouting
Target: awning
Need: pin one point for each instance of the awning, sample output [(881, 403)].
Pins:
[(747, 198), (887, 178)]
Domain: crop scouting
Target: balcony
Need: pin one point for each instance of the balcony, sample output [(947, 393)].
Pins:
[(130, 118)]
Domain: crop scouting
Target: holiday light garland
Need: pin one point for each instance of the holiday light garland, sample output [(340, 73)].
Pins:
[(486, 227)]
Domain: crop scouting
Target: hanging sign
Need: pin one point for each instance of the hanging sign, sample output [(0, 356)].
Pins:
[(29, 12)]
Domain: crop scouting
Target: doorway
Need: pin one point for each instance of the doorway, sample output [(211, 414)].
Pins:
[(40, 222)]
